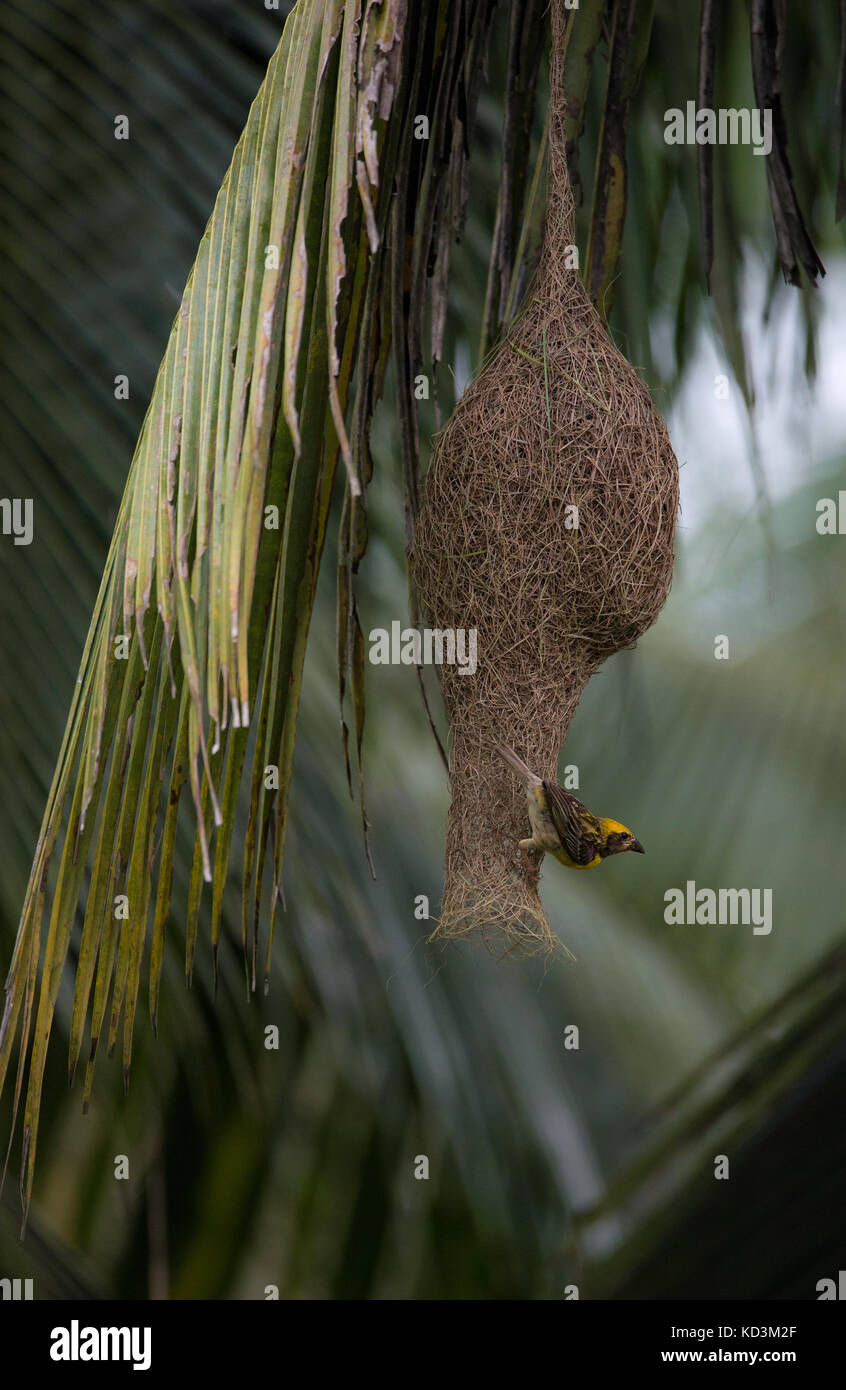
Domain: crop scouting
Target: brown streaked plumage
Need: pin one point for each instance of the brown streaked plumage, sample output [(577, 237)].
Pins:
[(563, 827)]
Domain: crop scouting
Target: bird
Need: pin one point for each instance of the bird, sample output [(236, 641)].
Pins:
[(563, 827)]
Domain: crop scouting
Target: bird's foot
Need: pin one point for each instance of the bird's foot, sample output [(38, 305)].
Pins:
[(531, 870)]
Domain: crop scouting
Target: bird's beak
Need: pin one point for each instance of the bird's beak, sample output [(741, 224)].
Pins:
[(638, 847)]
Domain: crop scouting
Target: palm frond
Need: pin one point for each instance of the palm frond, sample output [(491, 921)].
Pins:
[(197, 587), (203, 612)]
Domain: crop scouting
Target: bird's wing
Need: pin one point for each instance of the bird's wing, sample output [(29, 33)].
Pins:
[(580, 831)]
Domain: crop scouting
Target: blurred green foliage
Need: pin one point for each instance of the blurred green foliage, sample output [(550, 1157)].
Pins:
[(548, 1166)]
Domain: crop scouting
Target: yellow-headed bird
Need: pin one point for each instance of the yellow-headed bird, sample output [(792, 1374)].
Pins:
[(563, 827)]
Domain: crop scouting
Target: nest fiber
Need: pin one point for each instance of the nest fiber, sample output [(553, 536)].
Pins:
[(547, 525)]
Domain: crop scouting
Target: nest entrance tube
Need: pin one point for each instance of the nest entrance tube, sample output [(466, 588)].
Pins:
[(547, 525)]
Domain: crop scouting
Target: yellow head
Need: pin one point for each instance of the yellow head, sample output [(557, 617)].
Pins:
[(617, 838)]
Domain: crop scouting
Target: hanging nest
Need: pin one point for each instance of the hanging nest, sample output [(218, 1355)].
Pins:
[(558, 420)]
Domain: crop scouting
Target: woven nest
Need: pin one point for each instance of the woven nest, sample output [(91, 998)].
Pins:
[(557, 420)]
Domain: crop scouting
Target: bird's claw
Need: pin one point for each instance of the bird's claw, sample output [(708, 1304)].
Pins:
[(532, 870)]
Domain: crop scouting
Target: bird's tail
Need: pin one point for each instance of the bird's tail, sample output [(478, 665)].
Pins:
[(524, 773)]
